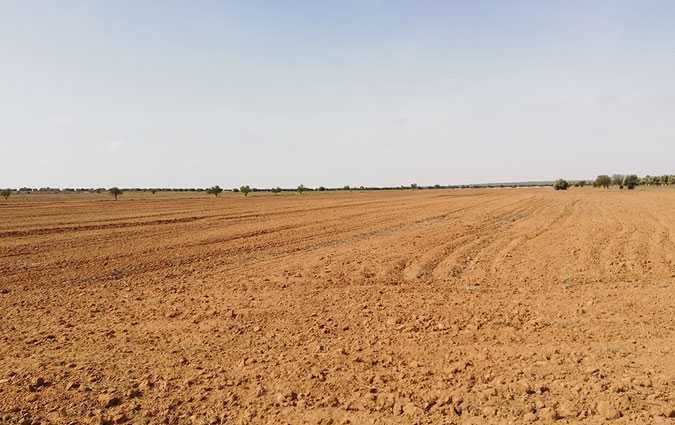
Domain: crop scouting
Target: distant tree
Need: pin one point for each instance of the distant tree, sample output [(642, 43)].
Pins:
[(276, 190), (630, 181), (617, 179), (215, 190), (5, 193), (603, 181), (322, 189), (301, 189), (346, 187), (561, 184), (413, 186), (245, 190), (580, 183), (115, 192)]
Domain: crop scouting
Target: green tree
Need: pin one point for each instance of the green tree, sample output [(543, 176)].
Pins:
[(245, 190), (617, 179), (346, 187), (115, 192), (322, 189), (5, 193), (561, 184), (630, 181), (603, 180), (301, 189), (215, 190)]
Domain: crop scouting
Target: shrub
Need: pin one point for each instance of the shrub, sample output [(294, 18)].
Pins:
[(276, 190), (215, 190), (115, 192), (603, 181), (301, 189), (5, 193), (245, 190), (561, 184), (346, 187), (322, 189), (630, 181)]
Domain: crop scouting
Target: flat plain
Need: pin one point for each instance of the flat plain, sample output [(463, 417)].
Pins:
[(427, 306)]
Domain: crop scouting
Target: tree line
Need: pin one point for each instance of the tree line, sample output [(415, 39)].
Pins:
[(627, 181), (622, 181), (115, 192)]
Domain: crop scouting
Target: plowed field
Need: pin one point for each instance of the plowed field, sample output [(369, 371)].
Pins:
[(430, 306)]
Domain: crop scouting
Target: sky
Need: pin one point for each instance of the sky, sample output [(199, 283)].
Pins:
[(374, 93)]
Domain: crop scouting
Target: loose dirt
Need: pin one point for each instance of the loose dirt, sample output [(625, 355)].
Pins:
[(430, 306)]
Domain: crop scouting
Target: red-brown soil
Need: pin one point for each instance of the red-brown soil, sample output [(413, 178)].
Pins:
[(432, 306)]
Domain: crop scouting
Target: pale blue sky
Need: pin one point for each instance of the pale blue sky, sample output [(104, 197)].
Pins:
[(181, 94)]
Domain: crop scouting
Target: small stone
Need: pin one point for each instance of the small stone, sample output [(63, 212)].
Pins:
[(411, 410), (489, 411), (529, 417), (37, 383), (134, 393), (120, 418), (525, 387), (72, 386), (549, 414), (567, 410), (31, 398), (607, 411), (259, 391), (108, 400)]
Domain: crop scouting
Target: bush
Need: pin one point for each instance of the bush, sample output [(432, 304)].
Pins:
[(301, 189), (245, 190), (276, 190), (115, 192), (603, 181), (215, 190), (561, 184), (322, 189), (630, 181), (5, 193)]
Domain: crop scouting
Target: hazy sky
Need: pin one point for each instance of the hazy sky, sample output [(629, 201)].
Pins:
[(267, 93)]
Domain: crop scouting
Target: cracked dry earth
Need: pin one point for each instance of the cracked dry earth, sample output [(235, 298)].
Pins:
[(450, 307)]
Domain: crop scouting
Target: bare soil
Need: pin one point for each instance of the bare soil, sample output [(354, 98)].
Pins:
[(430, 306)]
